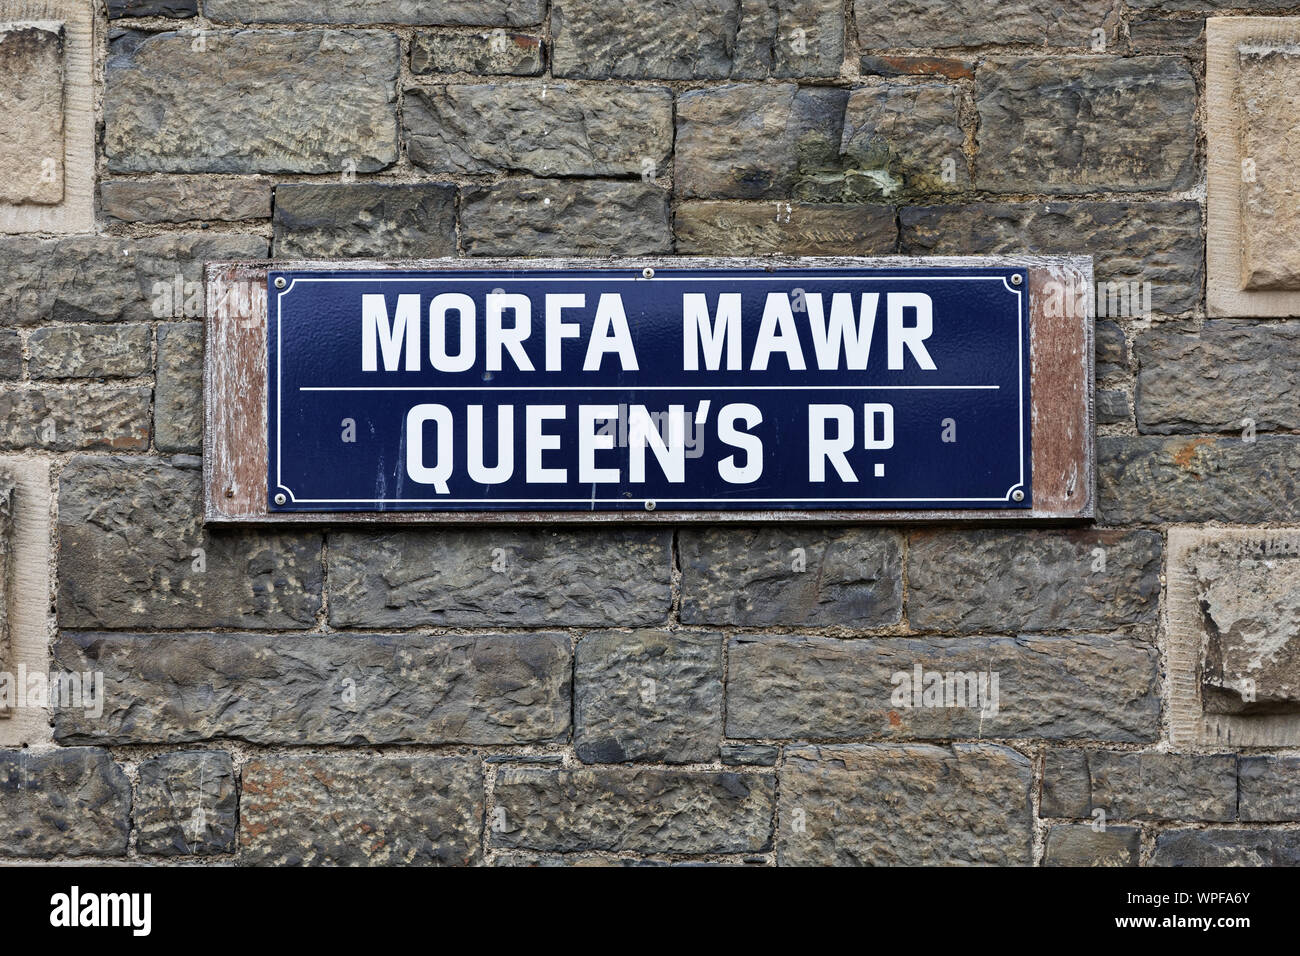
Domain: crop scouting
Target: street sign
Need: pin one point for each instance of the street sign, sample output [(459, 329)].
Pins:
[(654, 389)]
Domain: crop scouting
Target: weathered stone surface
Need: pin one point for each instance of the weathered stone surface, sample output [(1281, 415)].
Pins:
[(685, 40), (186, 804), (1249, 600), (884, 804), (1150, 35), (553, 129), (904, 138), (1269, 789), (31, 101), (723, 228), (448, 577), (242, 84), (758, 755), (11, 354), (538, 217), (951, 67), (1014, 581), (1112, 406), (1068, 124), (1111, 349), (377, 220), (1067, 789), (1078, 844), (498, 52), (178, 397), (75, 419), (94, 278), (471, 13), (800, 129), (323, 689), (362, 809), (1210, 381), (1268, 89), (1163, 786), (874, 143), (1227, 848), (647, 810), (176, 9), (648, 695), (134, 553), (1086, 687), (969, 23), (73, 802), (185, 199), (1152, 479), (90, 351), (789, 575), (1156, 242)]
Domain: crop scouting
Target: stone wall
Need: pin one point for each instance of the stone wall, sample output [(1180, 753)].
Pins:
[(618, 695)]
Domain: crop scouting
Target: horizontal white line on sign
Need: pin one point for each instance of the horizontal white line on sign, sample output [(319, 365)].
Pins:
[(635, 388)]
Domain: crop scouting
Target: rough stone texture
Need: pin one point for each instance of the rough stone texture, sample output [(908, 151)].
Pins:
[(1227, 848), (1087, 687), (31, 101), (951, 67), (185, 199), (361, 809), (473, 13), (176, 9), (1013, 581), (129, 528), (689, 40), (758, 755), (721, 228), (1078, 844), (1269, 789), (498, 52), (1112, 407), (1163, 786), (75, 419), (646, 810), (648, 695), (874, 143), (971, 23), (1166, 36), (1250, 613), (247, 86), (552, 129), (572, 578), (73, 802), (178, 398), (1151, 479), (324, 689), (882, 804), (1268, 90), (90, 351), (1111, 349), (753, 576), (101, 278), (186, 804), (1209, 381), (1067, 789), (11, 354), (538, 217), (899, 138), (1157, 242), (337, 221), (1068, 125), (8, 561)]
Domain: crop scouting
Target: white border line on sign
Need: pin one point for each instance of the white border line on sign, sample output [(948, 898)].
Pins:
[(533, 277)]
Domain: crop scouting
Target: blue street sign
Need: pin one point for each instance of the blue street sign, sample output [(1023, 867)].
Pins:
[(630, 390)]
